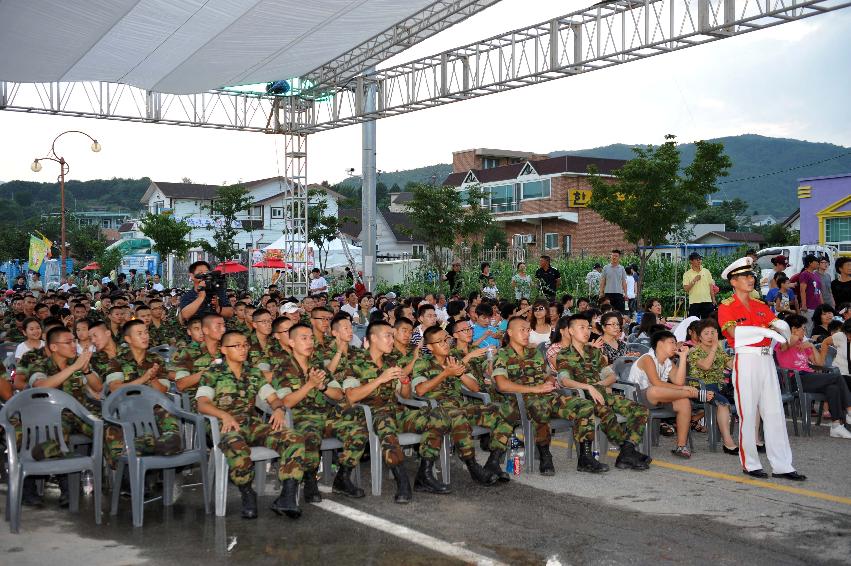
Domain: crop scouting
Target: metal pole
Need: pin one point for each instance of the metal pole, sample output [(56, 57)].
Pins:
[(62, 218), (368, 196)]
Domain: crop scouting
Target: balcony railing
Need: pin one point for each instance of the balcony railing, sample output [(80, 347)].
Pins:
[(497, 208)]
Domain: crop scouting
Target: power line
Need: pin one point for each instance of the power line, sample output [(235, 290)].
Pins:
[(802, 166)]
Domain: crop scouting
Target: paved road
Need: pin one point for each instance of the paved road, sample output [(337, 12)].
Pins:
[(668, 514)]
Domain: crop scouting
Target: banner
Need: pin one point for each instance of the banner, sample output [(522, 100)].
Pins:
[(39, 249)]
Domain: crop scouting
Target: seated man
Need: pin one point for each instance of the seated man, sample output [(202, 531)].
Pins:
[(520, 369), (578, 367), (229, 392), (369, 378), (62, 369), (134, 365), (441, 377), (312, 397), (659, 383)]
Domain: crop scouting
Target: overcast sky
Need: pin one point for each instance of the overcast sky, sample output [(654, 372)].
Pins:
[(789, 81)]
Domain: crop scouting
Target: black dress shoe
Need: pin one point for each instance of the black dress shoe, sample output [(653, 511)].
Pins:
[(760, 473), (794, 476), (733, 451), (760, 448)]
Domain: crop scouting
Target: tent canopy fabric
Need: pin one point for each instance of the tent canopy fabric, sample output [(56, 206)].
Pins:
[(188, 46)]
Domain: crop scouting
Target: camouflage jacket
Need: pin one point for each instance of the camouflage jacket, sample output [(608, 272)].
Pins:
[(124, 367), (232, 394), (24, 367), (168, 332), (257, 354), (234, 323), (100, 363), (476, 366), (289, 378), (207, 360), (360, 370), (528, 368), (449, 390), (584, 369), (75, 385), (400, 359), (183, 359)]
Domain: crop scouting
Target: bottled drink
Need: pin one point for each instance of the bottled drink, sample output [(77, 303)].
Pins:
[(518, 466), (509, 462), (88, 483)]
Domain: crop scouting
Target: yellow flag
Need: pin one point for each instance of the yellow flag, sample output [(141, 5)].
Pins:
[(39, 249)]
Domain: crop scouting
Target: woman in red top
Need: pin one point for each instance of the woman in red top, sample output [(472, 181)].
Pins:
[(797, 354)]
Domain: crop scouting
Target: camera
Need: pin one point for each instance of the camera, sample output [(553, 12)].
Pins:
[(214, 281)]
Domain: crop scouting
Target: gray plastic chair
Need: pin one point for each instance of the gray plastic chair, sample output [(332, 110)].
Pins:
[(654, 419), (165, 351), (640, 347), (527, 426), (40, 413), (218, 464), (132, 408), (376, 457), (806, 401)]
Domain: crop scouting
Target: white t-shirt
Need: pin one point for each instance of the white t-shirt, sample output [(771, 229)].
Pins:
[(536, 338), (158, 287), (352, 311), (23, 348), (318, 283), (630, 287), (639, 376)]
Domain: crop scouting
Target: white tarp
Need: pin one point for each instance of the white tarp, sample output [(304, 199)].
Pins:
[(184, 46), (336, 255)]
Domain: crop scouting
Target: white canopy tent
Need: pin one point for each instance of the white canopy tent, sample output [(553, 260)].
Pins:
[(336, 255), (185, 46)]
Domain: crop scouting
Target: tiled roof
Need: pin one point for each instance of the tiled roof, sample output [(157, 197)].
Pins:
[(187, 190), (395, 220), (736, 236), (550, 166)]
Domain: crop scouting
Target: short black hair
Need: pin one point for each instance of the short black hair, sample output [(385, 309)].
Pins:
[(403, 320), (210, 316), (340, 316), (128, 326), (196, 265), (841, 261), (796, 321), (430, 332), (258, 313), (374, 326), (660, 335), (54, 333), (424, 308), (298, 325), (230, 333)]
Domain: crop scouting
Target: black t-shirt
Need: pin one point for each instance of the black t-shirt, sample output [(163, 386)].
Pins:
[(841, 291), (454, 279), (548, 278), (190, 295)]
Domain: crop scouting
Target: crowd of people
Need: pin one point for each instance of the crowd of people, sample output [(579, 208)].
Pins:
[(327, 359)]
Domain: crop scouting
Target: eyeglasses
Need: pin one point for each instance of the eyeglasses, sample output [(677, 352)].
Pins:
[(444, 341), (243, 346), (540, 308)]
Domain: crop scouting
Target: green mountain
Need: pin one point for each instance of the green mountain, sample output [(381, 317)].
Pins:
[(24, 200), (756, 159), (426, 175)]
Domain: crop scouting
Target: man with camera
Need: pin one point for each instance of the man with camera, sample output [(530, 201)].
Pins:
[(197, 302)]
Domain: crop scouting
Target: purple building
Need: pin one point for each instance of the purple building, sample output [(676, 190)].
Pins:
[(825, 204)]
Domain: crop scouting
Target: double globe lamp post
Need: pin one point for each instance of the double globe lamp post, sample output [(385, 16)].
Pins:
[(64, 168)]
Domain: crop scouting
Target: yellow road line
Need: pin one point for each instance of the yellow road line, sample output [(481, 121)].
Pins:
[(743, 479)]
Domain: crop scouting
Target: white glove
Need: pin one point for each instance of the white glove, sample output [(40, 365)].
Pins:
[(782, 327), (747, 335)]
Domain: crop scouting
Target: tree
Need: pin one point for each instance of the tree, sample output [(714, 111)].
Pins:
[(168, 233), (109, 260), (727, 212), (230, 201), (395, 188), (440, 218), (321, 228), (778, 235), (495, 237), (86, 241), (650, 195)]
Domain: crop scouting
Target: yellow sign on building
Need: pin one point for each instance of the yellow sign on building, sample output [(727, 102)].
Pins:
[(578, 198)]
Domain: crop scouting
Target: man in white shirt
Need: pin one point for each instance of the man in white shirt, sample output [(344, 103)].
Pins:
[(157, 286), (440, 309), (318, 284), (350, 306)]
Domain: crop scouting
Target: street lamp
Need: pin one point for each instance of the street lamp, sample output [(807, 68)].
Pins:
[(64, 168)]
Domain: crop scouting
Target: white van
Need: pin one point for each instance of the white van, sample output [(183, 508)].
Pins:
[(795, 255)]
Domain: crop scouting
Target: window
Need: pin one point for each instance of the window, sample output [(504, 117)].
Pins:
[(536, 189), (257, 211), (837, 229), (277, 212), (106, 223), (550, 241), (502, 198), (418, 250), (158, 206), (567, 243), (490, 162)]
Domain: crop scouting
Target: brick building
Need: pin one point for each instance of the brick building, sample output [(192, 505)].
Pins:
[(540, 202)]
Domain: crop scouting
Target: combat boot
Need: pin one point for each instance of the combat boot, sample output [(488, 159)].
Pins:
[(478, 473), (30, 496), (426, 481), (343, 483), (249, 501), (587, 462), (547, 468), (630, 458), (287, 501), (311, 488), (494, 466), (403, 484), (62, 481)]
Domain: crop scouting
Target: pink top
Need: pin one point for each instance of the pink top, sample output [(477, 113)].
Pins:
[(797, 357)]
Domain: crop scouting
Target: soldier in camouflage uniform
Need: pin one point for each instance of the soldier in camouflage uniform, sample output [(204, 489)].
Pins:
[(369, 379), (62, 369), (239, 322), (441, 377), (578, 367), (180, 368), (260, 340), (320, 322), (404, 353), (213, 327), (474, 358), (229, 392), (24, 367), (519, 369), (134, 365), (162, 329), (316, 413), (105, 346)]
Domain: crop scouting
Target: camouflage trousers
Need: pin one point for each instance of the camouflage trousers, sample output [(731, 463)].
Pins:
[(543, 408), (636, 418), (50, 449), (348, 427), (168, 442), (389, 421), (236, 447), (463, 418)]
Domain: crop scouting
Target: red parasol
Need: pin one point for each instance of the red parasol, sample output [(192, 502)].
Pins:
[(231, 266), (93, 266)]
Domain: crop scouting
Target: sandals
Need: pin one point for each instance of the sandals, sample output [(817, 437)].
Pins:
[(682, 451), (697, 427), (666, 430)]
